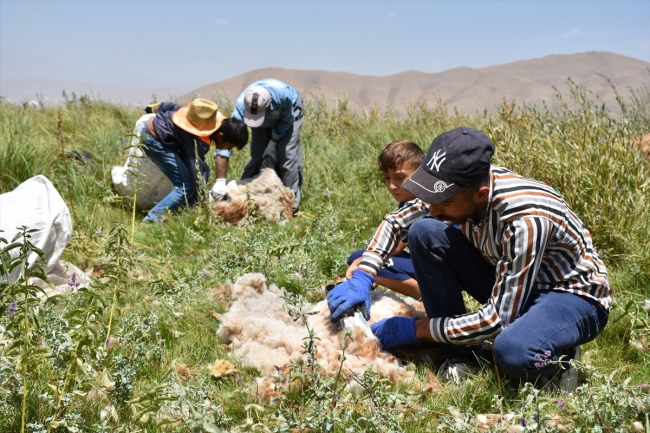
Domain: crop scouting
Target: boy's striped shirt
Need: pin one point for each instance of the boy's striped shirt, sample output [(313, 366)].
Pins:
[(531, 236)]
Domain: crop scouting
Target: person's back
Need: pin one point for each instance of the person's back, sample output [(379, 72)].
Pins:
[(569, 261)]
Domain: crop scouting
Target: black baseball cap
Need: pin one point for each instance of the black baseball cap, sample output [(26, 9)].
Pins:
[(456, 159)]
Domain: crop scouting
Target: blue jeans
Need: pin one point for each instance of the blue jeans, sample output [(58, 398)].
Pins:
[(171, 164), (398, 268), (549, 325)]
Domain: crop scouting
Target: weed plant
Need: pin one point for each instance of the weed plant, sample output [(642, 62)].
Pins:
[(130, 353)]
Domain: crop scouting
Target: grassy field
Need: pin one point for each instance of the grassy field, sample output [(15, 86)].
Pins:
[(130, 355)]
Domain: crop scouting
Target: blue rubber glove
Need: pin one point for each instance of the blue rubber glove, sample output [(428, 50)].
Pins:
[(395, 331), (349, 293)]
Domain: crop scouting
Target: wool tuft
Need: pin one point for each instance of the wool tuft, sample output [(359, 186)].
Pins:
[(265, 194)]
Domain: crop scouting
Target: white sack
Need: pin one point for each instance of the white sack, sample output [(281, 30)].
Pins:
[(36, 204), (152, 183)]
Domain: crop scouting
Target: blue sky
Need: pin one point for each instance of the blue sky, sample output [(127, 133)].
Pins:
[(192, 43)]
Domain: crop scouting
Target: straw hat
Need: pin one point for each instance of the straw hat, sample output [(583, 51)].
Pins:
[(220, 117), (198, 118)]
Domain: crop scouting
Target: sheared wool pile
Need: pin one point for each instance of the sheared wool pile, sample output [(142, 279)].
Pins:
[(266, 193), (264, 336)]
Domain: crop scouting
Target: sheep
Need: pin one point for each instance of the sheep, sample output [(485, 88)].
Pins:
[(265, 193), (264, 336)]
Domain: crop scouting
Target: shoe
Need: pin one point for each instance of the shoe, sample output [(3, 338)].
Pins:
[(153, 218), (566, 380), (455, 370), (572, 378)]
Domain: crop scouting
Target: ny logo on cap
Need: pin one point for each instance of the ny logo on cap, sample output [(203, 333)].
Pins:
[(435, 160), (254, 103)]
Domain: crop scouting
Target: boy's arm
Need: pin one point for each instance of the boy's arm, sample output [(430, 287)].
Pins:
[(355, 264), (356, 290), (353, 267), (385, 240), (400, 247)]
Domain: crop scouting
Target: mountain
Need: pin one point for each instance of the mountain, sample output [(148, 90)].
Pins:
[(49, 91), (468, 89)]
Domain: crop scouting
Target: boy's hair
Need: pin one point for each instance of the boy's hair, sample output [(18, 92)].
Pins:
[(234, 132), (399, 152)]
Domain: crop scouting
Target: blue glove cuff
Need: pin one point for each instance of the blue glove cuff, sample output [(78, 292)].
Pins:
[(411, 331), (363, 276)]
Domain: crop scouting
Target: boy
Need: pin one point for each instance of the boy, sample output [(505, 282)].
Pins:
[(397, 162)]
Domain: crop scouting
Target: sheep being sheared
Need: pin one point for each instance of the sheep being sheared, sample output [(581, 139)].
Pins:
[(266, 193), (264, 336)]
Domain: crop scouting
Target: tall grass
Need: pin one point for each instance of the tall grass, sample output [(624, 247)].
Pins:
[(157, 310)]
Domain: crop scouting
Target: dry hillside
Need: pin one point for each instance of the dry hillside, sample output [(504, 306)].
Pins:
[(467, 89)]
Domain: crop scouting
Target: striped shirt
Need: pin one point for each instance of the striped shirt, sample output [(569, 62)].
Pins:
[(531, 236)]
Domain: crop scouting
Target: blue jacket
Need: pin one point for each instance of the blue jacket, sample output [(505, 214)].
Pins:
[(280, 113), (187, 145)]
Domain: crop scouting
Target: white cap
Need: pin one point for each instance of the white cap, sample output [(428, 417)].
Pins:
[(256, 100)]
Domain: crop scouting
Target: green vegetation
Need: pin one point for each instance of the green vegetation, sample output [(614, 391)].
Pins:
[(131, 353)]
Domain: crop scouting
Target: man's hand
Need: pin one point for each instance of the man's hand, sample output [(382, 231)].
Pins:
[(395, 331), (219, 191), (349, 293), (270, 156)]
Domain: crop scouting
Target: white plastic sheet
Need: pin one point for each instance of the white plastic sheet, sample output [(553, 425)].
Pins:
[(152, 184), (65, 278), (36, 204)]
